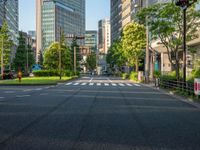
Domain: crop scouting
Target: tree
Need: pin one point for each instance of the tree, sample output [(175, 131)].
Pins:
[(19, 61), (7, 44), (51, 57), (133, 43), (165, 25), (91, 61), (31, 59), (115, 56)]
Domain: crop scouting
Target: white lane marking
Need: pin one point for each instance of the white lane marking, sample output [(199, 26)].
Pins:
[(137, 85), (91, 79), (69, 83), (98, 84), (120, 84), (83, 83), (28, 90), (38, 89), (129, 84), (21, 96), (76, 83), (9, 92), (106, 84), (113, 84), (91, 84), (44, 94)]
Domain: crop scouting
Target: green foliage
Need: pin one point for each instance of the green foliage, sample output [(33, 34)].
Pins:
[(156, 74), (20, 59), (91, 61), (125, 76), (51, 73), (7, 44), (134, 76), (51, 57), (133, 43), (165, 24), (115, 56)]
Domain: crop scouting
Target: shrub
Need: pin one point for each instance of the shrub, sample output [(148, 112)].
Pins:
[(46, 73), (125, 76), (156, 74), (133, 76)]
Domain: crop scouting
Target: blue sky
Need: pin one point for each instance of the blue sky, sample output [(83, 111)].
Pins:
[(95, 10)]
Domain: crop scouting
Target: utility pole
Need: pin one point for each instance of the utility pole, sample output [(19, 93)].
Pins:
[(74, 37), (60, 71)]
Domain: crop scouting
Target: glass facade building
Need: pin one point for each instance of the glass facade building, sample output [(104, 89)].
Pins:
[(67, 15), (91, 40), (9, 13)]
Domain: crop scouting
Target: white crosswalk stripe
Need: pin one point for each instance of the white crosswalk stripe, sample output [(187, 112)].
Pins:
[(98, 84), (91, 84), (113, 84), (76, 83), (83, 83), (106, 84), (137, 85), (120, 84), (69, 83), (129, 84)]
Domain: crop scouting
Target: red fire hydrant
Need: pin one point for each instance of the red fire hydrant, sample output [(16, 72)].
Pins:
[(20, 76)]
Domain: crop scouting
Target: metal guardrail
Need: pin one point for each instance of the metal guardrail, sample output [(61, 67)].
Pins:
[(185, 87)]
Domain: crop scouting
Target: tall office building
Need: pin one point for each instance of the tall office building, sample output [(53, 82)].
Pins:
[(104, 39), (53, 15), (9, 13), (121, 15), (91, 40)]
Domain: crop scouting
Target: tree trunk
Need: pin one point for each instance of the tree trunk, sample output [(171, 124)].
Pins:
[(177, 71)]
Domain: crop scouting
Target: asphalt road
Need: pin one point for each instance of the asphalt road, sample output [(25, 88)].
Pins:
[(96, 114)]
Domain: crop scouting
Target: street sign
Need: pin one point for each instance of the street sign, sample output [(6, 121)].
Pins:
[(197, 86)]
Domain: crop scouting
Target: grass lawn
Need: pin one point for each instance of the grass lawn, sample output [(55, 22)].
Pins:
[(35, 80)]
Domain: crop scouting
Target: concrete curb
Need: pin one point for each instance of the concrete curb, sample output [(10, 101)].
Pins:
[(178, 97)]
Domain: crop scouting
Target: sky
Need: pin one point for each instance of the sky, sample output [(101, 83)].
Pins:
[(95, 10)]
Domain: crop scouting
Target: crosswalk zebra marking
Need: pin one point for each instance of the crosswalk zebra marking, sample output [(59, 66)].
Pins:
[(113, 84), (98, 84), (69, 83), (76, 83), (120, 84), (137, 85), (83, 83), (106, 84), (129, 84), (91, 84)]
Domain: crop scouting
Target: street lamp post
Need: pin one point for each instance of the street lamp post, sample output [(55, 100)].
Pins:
[(184, 4)]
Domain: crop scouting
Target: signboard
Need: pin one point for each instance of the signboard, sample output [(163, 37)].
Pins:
[(197, 86)]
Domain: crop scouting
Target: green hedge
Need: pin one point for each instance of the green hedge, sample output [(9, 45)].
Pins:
[(50, 73), (125, 76), (133, 76)]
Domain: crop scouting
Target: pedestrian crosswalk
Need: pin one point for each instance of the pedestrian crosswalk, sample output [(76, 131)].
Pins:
[(102, 84)]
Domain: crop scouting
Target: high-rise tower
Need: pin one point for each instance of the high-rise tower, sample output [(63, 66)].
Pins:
[(69, 15)]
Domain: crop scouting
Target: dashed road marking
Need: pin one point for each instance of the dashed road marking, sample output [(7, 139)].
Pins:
[(9, 92), (38, 89), (76, 83), (21, 96)]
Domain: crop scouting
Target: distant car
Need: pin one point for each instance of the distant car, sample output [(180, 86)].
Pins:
[(8, 74)]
